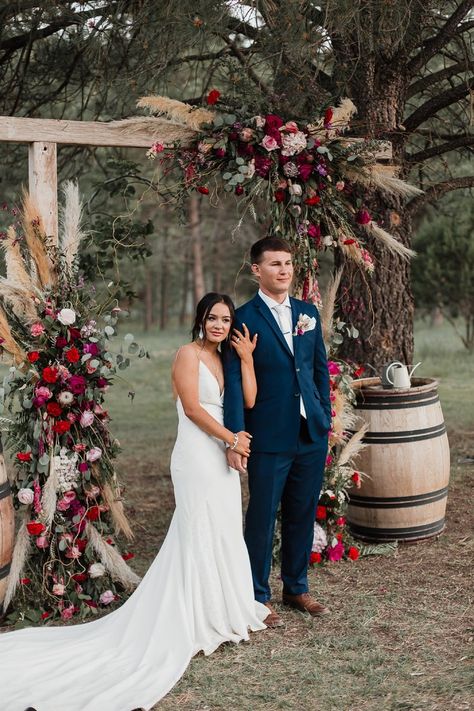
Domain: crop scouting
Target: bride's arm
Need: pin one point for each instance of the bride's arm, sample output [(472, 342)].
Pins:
[(244, 347), (186, 384)]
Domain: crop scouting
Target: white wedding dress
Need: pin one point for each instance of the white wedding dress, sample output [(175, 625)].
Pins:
[(196, 595)]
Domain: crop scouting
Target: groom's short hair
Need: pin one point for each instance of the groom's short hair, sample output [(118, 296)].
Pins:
[(268, 244)]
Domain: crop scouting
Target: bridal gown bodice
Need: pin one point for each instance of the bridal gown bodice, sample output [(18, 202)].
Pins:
[(196, 595)]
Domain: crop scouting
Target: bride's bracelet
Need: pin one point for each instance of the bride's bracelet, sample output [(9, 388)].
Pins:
[(235, 442)]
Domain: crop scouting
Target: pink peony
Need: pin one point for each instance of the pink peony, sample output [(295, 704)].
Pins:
[(59, 589), (87, 418), (68, 612), (43, 392), (36, 329), (335, 553), (107, 597), (269, 143)]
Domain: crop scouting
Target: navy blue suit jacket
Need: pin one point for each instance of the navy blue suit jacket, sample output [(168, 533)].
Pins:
[(274, 421)]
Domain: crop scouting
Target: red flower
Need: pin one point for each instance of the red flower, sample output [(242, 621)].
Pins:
[(339, 537), (305, 171), (239, 190), (315, 558), (328, 114), (353, 553), (213, 97), (50, 375), (363, 217), (321, 513), (93, 513), (203, 190), (62, 426), (272, 124), (74, 333), (315, 200), (73, 355), (53, 409), (45, 615), (356, 478), (35, 528), (359, 371), (127, 556), (314, 231), (81, 543), (90, 603), (61, 342), (349, 241), (25, 581), (33, 356), (79, 577), (24, 456), (279, 195)]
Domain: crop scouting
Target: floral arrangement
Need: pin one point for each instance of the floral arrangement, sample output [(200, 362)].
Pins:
[(65, 560), (306, 176)]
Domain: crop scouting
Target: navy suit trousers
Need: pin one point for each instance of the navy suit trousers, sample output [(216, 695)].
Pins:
[(294, 479)]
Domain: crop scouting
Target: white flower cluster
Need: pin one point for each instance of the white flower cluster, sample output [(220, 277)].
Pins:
[(89, 328), (320, 540), (293, 143), (66, 468)]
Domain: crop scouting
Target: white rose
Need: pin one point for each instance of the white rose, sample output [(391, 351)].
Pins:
[(67, 317), (59, 589), (96, 570), (328, 241), (25, 496), (296, 189), (65, 397)]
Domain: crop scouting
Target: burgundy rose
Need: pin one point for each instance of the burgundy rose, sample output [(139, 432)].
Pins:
[(74, 333), (219, 152), (314, 231), (77, 384), (363, 217), (102, 383), (305, 171), (272, 124), (38, 402), (262, 165), (61, 342), (91, 348), (279, 195)]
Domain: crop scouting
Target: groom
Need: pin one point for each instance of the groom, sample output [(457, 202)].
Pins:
[(289, 424)]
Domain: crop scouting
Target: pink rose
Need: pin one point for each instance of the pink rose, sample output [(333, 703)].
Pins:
[(59, 589), (80, 447), (42, 541), (107, 597), (94, 454), (43, 392), (87, 418), (333, 368), (340, 185), (36, 329), (335, 553), (67, 613), (73, 552), (341, 521), (291, 127), (269, 143), (90, 368)]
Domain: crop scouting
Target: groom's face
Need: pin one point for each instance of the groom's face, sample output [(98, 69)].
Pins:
[(274, 272)]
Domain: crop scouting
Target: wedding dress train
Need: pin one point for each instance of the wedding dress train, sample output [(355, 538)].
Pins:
[(196, 595)]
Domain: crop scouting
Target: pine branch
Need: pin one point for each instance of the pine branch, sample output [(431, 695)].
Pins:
[(431, 107), (431, 79), (453, 26), (242, 28), (237, 52), (452, 145), (437, 191)]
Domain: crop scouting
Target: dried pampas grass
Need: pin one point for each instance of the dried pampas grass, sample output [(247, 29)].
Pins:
[(8, 343), (71, 223), (341, 115), (111, 559), (35, 239), (17, 275), (117, 512), (353, 446), (50, 496), (20, 556), (20, 300), (161, 130), (177, 111), (329, 303), (392, 244), (387, 183)]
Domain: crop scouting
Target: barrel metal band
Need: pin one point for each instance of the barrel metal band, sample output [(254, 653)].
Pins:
[(5, 571), (404, 436), (397, 398), (398, 502), (5, 490), (393, 534), (388, 405)]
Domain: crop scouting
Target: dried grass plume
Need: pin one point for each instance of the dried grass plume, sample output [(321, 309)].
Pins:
[(177, 111)]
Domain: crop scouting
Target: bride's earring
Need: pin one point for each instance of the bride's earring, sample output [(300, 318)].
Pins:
[(201, 333)]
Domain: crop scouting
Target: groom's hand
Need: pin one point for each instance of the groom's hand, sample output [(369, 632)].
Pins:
[(236, 461)]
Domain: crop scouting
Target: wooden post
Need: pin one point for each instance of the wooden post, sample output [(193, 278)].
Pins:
[(43, 183)]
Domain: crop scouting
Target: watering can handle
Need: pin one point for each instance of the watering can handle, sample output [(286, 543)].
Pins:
[(389, 368), (414, 368)]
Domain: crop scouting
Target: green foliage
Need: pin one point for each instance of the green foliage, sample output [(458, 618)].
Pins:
[(444, 270)]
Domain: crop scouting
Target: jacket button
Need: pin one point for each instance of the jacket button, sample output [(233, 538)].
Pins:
[(297, 394), (297, 370)]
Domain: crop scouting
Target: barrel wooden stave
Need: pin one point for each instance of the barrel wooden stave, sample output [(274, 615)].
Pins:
[(407, 463)]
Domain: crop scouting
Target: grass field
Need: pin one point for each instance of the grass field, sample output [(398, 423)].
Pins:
[(400, 634)]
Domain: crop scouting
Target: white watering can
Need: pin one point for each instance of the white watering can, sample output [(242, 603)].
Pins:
[(397, 375)]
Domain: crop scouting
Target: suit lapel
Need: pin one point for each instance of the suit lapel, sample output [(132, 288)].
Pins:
[(295, 313), (263, 309)]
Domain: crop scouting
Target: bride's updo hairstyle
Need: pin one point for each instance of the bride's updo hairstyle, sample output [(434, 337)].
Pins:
[(204, 308)]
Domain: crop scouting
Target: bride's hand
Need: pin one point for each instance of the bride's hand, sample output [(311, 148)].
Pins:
[(243, 345), (243, 444)]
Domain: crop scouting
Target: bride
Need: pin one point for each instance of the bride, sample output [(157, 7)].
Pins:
[(198, 591)]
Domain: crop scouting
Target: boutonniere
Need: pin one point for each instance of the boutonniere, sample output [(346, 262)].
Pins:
[(305, 323)]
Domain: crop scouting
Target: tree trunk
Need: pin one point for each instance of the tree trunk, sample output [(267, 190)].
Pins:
[(184, 292), (148, 315), (164, 282), (196, 239)]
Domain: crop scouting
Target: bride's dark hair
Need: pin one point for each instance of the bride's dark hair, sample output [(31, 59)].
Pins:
[(203, 309)]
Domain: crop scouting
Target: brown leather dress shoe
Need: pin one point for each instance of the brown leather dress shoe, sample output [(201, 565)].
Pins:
[(305, 603), (273, 619)]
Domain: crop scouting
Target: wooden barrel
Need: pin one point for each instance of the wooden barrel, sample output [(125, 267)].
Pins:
[(404, 496), (7, 527)]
